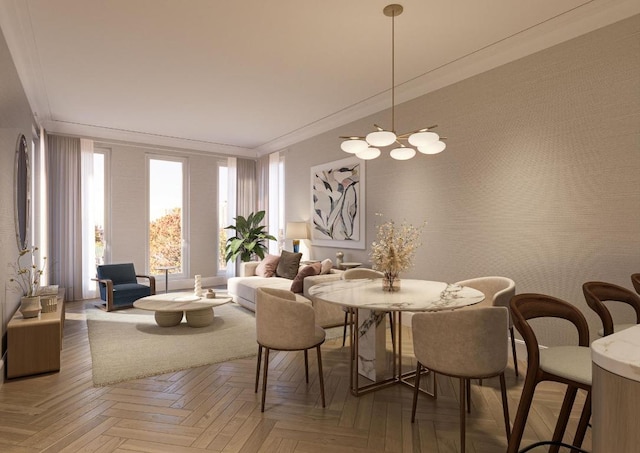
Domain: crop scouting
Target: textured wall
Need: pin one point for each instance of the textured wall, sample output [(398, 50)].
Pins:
[(540, 180)]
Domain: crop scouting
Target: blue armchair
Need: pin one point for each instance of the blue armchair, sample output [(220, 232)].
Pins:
[(119, 286)]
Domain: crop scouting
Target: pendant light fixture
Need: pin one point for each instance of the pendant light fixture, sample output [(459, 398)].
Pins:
[(424, 140)]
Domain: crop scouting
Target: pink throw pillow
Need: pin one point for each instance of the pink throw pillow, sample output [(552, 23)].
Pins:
[(312, 269), (267, 267)]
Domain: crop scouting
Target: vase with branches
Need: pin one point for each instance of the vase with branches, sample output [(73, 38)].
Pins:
[(27, 276)]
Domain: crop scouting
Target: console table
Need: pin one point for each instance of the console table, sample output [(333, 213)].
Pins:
[(34, 344)]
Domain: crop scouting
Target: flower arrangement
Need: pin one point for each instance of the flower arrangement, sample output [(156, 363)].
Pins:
[(394, 249), (27, 278)]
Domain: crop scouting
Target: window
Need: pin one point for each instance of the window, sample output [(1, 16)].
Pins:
[(98, 205), (166, 177)]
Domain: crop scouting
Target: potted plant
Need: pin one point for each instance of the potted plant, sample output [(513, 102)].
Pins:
[(249, 240), (27, 281)]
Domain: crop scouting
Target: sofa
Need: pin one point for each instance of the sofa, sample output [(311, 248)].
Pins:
[(244, 287)]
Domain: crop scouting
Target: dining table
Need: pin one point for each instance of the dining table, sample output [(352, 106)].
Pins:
[(369, 304)]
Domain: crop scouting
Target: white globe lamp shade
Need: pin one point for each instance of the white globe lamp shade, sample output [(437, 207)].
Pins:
[(354, 146), (433, 148), (403, 153), (423, 138), (381, 138), (368, 154)]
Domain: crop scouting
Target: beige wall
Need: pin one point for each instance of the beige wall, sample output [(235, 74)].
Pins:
[(540, 180)]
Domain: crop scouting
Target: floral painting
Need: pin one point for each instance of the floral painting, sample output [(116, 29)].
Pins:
[(337, 191)]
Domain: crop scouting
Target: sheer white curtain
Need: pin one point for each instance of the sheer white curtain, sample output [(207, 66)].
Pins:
[(231, 204), (273, 195), (88, 221), (246, 186), (64, 254)]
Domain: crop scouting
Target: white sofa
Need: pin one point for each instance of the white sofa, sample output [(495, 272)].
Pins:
[(243, 290)]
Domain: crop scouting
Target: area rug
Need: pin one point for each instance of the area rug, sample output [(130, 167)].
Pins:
[(128, 344)]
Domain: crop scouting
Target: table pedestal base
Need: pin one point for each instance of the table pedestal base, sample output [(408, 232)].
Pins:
[(168, 318), (200, 318)]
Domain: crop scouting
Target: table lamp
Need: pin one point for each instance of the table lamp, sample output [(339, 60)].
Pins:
[(296, 231)]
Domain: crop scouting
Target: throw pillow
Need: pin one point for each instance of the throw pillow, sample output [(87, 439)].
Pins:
[(267, 267), (288, 264), (326, 266), (298, 285)]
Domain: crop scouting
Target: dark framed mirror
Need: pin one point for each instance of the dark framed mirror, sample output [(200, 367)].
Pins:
[(22, 196)]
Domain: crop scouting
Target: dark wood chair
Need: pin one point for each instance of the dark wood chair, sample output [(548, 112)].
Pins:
[(596, 293), (570, 365), (635, 280), (119, 287)]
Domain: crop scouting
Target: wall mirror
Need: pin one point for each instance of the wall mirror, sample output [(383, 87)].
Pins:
[(22, 198)]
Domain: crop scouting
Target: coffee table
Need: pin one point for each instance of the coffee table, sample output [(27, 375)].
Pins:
[(169, 308)]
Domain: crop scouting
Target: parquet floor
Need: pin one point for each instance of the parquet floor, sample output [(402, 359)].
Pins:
[(214, 408)]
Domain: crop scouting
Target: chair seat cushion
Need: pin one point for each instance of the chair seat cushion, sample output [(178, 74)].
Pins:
[(569, 362), (616, 328)]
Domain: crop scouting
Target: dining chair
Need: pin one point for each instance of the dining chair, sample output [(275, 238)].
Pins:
[(356, 273), (596, 293), (285, 324), (635, 280), (570, 365), (467, 344), (498, 292)]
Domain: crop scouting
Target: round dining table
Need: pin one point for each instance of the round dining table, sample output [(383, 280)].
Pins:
[(369, 304)]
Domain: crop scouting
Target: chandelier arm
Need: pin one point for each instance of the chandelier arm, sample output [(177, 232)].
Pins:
[(350, 137), (424, 129)]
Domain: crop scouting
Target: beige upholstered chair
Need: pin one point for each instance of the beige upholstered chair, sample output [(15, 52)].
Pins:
[(284, 324), (498, 291), (355, 273), (467, 344), (570, 365), (596, 293)]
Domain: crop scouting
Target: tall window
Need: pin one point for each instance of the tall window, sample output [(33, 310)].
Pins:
[(166, 214), (223, 213), (98, 205)]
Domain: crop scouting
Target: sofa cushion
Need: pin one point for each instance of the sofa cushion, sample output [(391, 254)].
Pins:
[(288, 265), (267, 267), (326, 266), (305, 271)]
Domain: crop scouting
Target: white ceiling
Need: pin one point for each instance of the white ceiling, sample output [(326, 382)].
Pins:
[(253, 76)]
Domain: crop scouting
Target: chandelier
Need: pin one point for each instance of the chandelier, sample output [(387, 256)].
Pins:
[(424, 140)]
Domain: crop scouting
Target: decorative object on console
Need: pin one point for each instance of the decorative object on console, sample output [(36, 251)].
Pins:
[(339, 259), (249, 240), (393, 250), (424, 140), (27, 281), (296, 231), (337, 202), (197, 286)]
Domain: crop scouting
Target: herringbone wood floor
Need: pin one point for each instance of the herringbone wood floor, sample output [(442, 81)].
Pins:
[(214, 408)]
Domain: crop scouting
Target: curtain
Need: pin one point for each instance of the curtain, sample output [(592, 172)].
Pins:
[(88, 221), (246, 186), (64, 254)]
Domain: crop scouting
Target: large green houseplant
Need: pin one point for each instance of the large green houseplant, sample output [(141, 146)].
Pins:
[(250, 239)]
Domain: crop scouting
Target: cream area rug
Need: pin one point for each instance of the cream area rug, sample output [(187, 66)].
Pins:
[(128, 344)]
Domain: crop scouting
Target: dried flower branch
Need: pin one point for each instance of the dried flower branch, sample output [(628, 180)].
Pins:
[(27, 278)]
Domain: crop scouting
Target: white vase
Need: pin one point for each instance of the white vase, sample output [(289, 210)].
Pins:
[(30, 306)]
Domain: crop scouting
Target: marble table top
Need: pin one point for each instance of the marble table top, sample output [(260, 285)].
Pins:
[(619, 353), (414, 295)]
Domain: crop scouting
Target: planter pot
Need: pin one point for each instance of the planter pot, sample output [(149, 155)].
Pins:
[(30, 306)]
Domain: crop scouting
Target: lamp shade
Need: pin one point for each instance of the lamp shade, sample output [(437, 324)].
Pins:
[(403, 153), (423, 138), (381, 138), (433, 148), (368, 154), (354, 146), (296, 230)]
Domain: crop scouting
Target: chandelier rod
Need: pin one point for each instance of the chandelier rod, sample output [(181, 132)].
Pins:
[(393, 72)]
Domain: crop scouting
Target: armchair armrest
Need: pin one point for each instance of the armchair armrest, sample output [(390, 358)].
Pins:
[(152, 282), (109, 290)]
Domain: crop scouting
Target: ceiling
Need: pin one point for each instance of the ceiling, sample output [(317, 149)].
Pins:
[(253, 76)]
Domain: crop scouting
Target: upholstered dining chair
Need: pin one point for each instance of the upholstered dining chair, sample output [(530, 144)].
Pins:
[(635, 280), (570, 365), (352, 274), (467, 344), (596, 293), (498, 292), (285, 324)]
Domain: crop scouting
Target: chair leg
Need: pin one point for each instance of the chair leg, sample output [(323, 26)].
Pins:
[(463, 388), (513, 350), (584, 422), (468, 393), (563, 418), (344, 332), (320, 374), (521, 415), (258, 367), (505, 405), (306, 366), (415, 392), (393, 340), (264, 377)]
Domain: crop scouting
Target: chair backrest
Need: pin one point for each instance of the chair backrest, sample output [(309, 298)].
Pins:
[(530, 306), (497, 290), (635, 280), (282, 322), (361, 272), (467, 343), (118, 273), (596, 293)]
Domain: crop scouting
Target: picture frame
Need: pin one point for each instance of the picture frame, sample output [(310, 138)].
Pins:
[(338, 204)]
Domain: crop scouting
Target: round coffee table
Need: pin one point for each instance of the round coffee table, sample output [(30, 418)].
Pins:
[(169, 308)]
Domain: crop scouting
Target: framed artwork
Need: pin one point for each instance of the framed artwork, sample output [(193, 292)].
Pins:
[(337, 203)]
